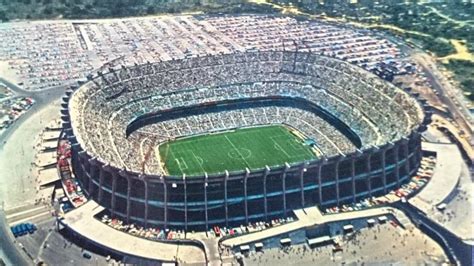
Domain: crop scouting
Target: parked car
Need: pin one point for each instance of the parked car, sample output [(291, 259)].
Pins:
[(23, 229)]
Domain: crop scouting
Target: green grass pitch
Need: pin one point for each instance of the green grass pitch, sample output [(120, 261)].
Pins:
[(233, 150)]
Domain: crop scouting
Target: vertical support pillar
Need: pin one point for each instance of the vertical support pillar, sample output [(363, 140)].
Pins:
[(101, 182), (419, 151), (397, 171), (185, 203), (247, 173), (165, 199), (265, 202), (353, 174), (337, 182), (226, 179), (91, 176), (320, 187), (287, 167), (407, 159), (369, 170), (145, 183), (418, 154), (205, 200), (384, 172), (303, 170), (129, 194), (114, 192)]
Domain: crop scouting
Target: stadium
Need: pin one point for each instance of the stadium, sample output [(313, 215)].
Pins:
[(234, 138)]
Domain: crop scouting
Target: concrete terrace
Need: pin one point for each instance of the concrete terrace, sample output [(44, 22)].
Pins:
[(308, 218), (82, 221), (445, 177)]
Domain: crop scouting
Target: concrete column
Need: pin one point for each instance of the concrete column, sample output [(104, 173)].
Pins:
[(91, 175), (303, 169), (145, 183), (353, 174), (101, 183), (287, 167), (397, 170), (320, 187), (205, 200), (226, 179), (369, 170), (247, 173), (407, 161), (337, 182), (114, 192), (129, 194), (265, 202), (419, 153), (185, 203), (384, 172), (165, 199)]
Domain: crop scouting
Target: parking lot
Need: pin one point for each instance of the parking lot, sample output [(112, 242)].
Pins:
[(43, 54), (46, 244)]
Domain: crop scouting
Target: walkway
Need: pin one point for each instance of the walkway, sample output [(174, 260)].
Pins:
[(445, 177), (307, 218), (82, 222)]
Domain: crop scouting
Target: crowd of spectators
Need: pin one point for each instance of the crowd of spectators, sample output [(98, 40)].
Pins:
[(102, 109)]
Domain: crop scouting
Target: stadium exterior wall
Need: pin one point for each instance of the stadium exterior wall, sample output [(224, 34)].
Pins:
[(229, 199)]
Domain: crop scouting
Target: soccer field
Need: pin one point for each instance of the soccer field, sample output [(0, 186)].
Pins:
[(233, 150)]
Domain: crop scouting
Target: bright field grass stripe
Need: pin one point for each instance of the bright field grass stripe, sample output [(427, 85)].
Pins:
[(235, 150)]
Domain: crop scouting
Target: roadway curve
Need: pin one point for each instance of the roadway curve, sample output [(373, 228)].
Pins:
[(13, 178), (8, 250), (457, 250), (444, 94), (42, 98)]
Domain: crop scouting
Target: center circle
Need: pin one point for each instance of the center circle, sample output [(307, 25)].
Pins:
[(239, 153)]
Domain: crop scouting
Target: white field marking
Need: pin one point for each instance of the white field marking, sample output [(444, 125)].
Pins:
[(177, 161), (183, 162), (278, 147), (293, 144), (237, 150), (200, 163), (299, 147)]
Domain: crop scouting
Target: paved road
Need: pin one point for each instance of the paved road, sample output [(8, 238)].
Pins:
[(17, 185), (460, 250), (444, 94), (42, 98), (8, 251)]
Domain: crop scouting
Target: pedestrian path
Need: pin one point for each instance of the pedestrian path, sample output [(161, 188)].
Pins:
[(307, 217)]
